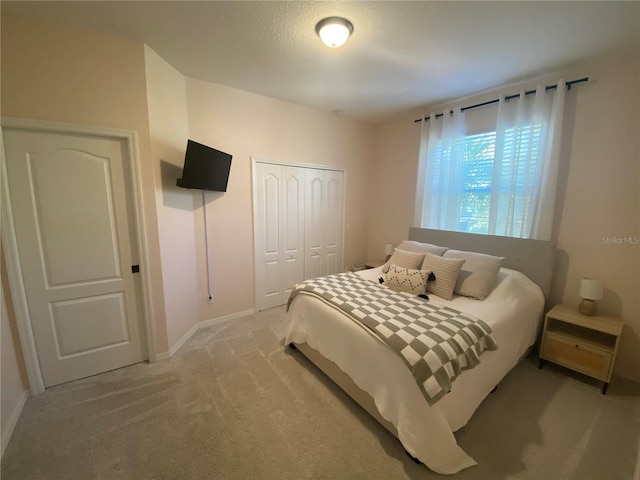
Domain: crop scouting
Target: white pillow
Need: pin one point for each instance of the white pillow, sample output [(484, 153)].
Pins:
[(405, 260), (407, 280), (478, 274), (446, 272), (418, 247)]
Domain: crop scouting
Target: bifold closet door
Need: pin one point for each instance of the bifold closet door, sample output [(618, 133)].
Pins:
[(323, 222), (292, 228), (334, 188), (298, 228), (279, 224), (315, 205)]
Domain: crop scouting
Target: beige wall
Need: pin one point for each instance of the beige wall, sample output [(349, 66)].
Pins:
[(169, 131), (394, 168), (602, 199), (598, 193), (14, 382), (245, 125)]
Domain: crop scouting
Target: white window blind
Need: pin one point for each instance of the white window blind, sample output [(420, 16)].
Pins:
[(479, 152)]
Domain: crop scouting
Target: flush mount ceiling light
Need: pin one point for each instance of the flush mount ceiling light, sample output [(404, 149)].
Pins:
[(334, 31)]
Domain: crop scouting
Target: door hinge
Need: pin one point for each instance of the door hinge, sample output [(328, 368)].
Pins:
[(135, 268)]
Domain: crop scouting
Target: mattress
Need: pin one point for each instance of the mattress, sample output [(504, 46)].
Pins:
[(513, 310)]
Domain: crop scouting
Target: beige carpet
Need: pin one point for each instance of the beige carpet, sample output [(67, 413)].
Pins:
[(233, 403)]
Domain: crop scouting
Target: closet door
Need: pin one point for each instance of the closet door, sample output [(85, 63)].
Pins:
[(315, 211), (298, 228), (292, 228), (279, 232), (323, 222), (268, 240), (334, 188)]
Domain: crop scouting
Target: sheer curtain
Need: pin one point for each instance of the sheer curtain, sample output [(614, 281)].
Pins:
[(440, 175), (525, 167)]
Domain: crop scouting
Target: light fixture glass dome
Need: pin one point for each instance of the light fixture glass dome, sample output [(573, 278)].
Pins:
[(334, 31)]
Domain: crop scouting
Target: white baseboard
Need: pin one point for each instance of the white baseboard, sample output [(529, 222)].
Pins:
[(212, 321), (13, 420), (176, 346), (162, 356)]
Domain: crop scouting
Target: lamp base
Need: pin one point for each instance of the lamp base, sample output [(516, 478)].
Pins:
[(588, 307)]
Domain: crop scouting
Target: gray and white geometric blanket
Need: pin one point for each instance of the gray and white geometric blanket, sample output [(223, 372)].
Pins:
[(435, 342)]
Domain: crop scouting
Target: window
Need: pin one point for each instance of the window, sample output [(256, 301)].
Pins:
[(514, 184), (498, 182)]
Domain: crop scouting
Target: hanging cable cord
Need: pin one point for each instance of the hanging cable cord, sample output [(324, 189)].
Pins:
[(509, 97), (206, 245)]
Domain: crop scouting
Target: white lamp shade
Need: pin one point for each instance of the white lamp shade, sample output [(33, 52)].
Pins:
[(334, 31), (388, 249), (591, 288)]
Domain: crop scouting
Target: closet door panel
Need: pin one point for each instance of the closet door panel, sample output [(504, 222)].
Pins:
[(272, 290), (292, 228), (267, 235), (314, 223), (334, 185)]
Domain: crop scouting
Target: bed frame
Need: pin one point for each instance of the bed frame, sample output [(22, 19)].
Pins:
[(534, 258)]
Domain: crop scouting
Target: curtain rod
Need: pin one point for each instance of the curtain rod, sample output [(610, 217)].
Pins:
[(509, 97)]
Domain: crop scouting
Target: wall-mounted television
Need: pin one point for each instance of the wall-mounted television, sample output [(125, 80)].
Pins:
[(205, 168)]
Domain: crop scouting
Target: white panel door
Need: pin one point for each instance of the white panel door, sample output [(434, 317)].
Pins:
[(315, 205), (279, 224), (334, 188), (267, 212), (292, 228), (323, 222), (71, 202)]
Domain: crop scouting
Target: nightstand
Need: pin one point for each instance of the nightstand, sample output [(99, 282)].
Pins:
[(586, 344), (373, 264)]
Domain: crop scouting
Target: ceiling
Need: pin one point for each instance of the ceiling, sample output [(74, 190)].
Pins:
[(401, 55)]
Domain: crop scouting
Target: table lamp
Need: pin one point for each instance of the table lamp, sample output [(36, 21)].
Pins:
[(590, 291)]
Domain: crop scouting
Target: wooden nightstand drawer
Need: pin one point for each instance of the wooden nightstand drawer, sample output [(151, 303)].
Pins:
[(568, 352), (586, 344)]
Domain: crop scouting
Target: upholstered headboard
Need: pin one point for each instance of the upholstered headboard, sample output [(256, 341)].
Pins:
[(534, 258)]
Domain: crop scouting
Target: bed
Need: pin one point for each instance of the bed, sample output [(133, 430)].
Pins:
[(378, 379)]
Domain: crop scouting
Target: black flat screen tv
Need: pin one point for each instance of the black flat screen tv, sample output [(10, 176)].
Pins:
[(205, 168)]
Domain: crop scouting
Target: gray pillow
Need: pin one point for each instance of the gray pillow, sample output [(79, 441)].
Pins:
[(446, 272), (419, 247), (405, 260), (478, 275)]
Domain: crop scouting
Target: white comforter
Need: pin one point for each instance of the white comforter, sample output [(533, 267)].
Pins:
[(513, 310)]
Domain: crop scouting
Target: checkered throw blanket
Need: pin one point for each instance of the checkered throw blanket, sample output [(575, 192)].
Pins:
[(436, 342)]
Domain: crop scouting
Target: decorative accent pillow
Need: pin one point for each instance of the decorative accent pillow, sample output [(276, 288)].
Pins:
[(446, 272), (407, 280), (478, 275), (405, 260), (419, 247)]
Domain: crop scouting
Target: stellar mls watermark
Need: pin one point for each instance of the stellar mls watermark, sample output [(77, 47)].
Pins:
[(622, 240)]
